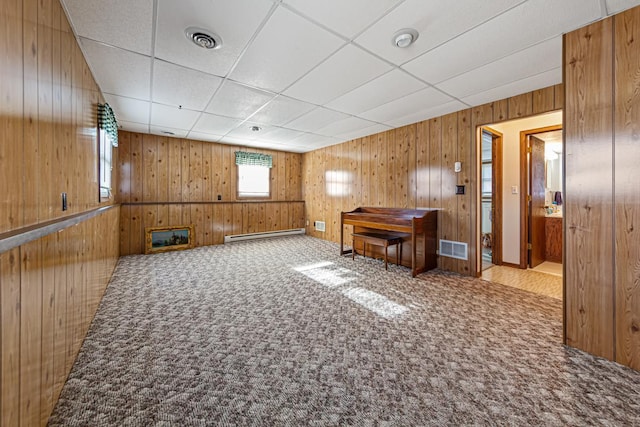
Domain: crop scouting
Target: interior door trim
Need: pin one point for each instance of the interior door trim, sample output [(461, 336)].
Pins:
[(524, 189)]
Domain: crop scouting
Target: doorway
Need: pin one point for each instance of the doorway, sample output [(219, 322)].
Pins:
[(541, 206), (491, 197)]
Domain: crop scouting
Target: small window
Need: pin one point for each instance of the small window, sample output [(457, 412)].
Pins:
[(106, 150), (254, 174), (254, 181)]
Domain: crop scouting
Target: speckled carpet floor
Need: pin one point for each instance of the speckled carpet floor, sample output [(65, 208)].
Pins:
[(285, 332)]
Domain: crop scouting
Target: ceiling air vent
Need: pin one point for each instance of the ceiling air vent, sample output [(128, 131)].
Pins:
[(203, 38)]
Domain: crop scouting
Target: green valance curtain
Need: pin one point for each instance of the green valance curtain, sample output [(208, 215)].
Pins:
[(256, 159), (107, 121)]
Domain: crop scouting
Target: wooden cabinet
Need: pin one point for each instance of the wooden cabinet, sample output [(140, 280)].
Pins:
[(553, 239)]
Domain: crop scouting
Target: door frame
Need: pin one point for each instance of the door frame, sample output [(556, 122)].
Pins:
[(525, 168), (496, 195)]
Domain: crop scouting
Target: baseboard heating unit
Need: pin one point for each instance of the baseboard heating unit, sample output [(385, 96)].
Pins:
[(250, 236)]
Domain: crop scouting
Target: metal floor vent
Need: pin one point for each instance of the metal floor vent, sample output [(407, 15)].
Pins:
[(451, 249)]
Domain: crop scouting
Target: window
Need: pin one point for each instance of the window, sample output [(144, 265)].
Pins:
[(105, 164), (254, 174), (107, 139)]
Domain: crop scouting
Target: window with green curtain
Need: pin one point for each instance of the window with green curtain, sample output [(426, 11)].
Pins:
[(254, 174), (254, 159), (107, 122)]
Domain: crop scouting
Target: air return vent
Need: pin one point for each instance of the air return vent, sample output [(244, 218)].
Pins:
[(451, 249), (203, 38)]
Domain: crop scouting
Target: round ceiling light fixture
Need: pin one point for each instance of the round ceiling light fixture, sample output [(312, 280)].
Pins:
[(404, 38), (203, 38)]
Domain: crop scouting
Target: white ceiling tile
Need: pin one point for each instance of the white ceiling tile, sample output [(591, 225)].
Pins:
[(110, 64), (173, 117), (616, 6), (168, 131), (175, 85), (316, 119), (238, 101), (252, 143), (436, 22), (128, 109), (417, 101), (234, 21), (349, 124), (347, 69), (268, 63), (345, 17), (204, 136), (281, 110), (427, 113), (281, 135), (525, 63), (520, 27), (133, 127), (359, 133), (388, 87), (539, 81), (313, 140), (217, 125), (122, 23), (245, 131)]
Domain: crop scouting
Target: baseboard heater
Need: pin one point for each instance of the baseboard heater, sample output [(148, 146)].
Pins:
[(250, 236)]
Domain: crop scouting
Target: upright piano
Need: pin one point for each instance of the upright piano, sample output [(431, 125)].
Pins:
[(420, 225)]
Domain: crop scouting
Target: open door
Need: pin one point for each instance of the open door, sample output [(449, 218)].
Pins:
[(537, 178)]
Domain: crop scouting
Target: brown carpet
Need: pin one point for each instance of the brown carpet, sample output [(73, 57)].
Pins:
[(285, 332)]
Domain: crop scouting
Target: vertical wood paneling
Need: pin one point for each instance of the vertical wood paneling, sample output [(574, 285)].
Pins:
[(588, 208), (627, 196), (10, 330), (449, 214), (30, 333), (31, 145), (422, 164), (543, 100), (11, 119), (48, 326), (463, 223), (49, 287), (521, 105)]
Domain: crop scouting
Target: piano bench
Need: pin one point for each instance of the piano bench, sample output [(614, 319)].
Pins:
[(378, 239)]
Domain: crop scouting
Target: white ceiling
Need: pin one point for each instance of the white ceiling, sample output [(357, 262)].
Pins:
[(316, 73)]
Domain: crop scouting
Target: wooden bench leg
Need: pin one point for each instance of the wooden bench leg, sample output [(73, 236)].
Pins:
[(353, 248), (385, 256)]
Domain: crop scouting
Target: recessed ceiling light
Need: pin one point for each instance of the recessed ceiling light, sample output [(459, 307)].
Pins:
[(255, 128), (404, 38), (203, 38)]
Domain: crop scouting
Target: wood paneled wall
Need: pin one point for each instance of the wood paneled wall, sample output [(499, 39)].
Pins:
[(602, 207), (170, 181), (49, 292), (412, 167), (49, 288), (48, 117)]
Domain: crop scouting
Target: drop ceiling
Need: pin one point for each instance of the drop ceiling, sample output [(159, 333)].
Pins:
[(310, 73)]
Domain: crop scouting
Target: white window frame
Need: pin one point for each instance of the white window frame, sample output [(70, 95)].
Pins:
[(105, 166), (251, 186)]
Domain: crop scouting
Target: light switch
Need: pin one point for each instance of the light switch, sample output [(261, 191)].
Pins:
[(514, 189)]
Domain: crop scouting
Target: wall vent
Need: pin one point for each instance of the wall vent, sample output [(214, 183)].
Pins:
[(319, 225), (451, 249)]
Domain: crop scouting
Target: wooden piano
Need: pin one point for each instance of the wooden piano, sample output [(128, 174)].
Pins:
[(420, 225)]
